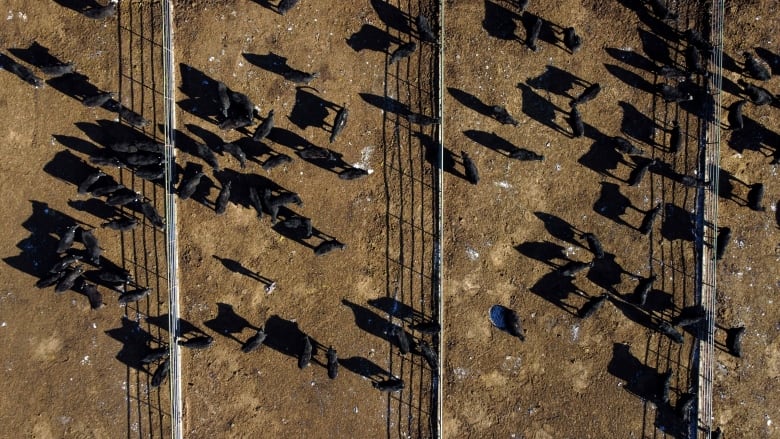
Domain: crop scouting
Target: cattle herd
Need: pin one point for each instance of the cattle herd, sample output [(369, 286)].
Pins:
[(679, 83), (82, 267)]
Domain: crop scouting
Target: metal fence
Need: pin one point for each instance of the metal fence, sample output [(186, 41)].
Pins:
[(412, 176), (708, 226), (144, 255)]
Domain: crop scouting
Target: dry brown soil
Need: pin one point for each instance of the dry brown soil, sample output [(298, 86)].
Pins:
[(69, 371)]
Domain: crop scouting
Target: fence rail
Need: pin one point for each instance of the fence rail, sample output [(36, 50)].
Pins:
[(172, 245), (708, 227)]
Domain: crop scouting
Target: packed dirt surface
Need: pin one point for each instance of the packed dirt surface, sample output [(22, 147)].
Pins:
[(70, 371)]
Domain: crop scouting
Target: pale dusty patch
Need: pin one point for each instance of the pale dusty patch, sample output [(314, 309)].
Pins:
[(493, 379), (41, 430), (772, 353), (451, 426), (499, 254), (579, 374), (47, 349), (543, 434)]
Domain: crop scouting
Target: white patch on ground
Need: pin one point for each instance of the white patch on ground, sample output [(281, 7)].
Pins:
[(503, 184), (472, 254), (85, 360), (460, 373), (511, 363), (365, 157), (575, 332)]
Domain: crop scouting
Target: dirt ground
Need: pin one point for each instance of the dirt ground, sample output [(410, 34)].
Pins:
[(74, 372)]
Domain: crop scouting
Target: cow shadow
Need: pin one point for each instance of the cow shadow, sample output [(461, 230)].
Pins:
[(659, 27), (557, 81), (432, 155), (38, 251), (365, 368), (289, 139), (556, 288), (78, 5), (74, 85), (606, 273), (635, 124), (310, 110), (387, 104), (491, 141), (546, 33), (285, 337), (543, 251), (612, 204), (266, 4), (602, 157), (392, 16), (135, 341), (470, 101), (203, 190), (772, 59), (655, 47), (726, 187), (677, 223), (540, 109), (701, 101), (754, 137), (630, 78), (272, 62), (228, 323), (239, 268), (185, 327), (68, 167), (632, 59), (334, 161), (201, 91), (499, 22), (659, 301), (369, 321), (78, 144), (559, 228), (95, 207), (104, 132), (396, 308), (209, 138), (188, 145), (641, 380), (371, 37)]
